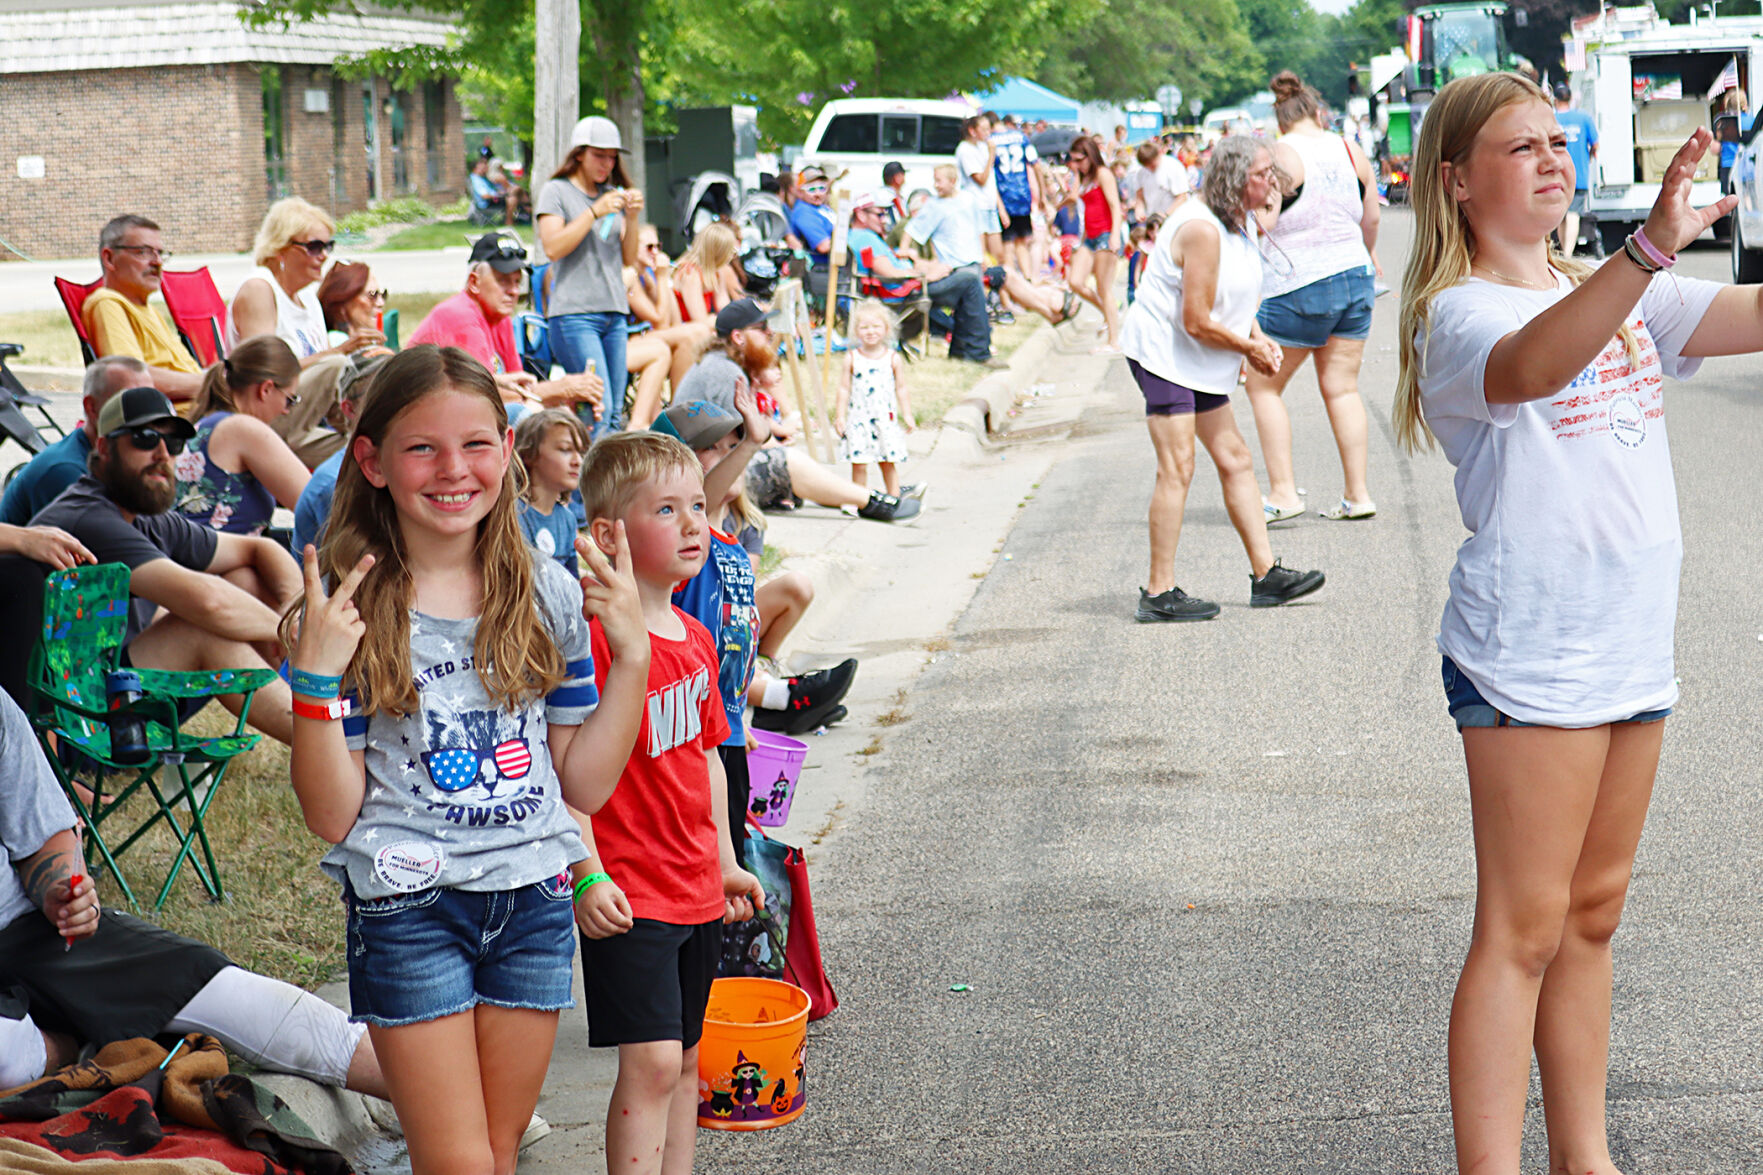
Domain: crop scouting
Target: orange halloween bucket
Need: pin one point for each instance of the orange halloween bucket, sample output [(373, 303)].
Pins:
[(751, 1059)]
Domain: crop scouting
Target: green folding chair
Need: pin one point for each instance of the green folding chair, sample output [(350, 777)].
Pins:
[(85, 614)]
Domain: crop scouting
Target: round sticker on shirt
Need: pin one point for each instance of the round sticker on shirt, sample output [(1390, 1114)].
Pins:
[(546, 542), (408, 866), (1628, 424)]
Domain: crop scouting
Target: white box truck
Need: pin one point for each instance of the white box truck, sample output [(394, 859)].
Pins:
[(1647, 86)]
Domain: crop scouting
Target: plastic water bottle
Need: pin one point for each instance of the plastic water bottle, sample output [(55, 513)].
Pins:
[(128, 731)]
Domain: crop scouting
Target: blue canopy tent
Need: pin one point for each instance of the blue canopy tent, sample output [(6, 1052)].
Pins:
[(1030, 100)]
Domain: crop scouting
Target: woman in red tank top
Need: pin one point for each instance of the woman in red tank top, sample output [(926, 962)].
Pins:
[(701, 281), (1094, 262)]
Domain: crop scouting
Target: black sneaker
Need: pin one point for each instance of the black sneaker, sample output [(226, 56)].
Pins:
[(914, 490), (1173, 604), (887, 508), (813, 696), (1282, 585)]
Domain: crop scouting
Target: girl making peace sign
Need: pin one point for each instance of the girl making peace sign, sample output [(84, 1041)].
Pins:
[(468, 717), (1541, 380)]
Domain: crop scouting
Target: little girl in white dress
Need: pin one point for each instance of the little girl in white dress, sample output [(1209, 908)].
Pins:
[(874, 414)]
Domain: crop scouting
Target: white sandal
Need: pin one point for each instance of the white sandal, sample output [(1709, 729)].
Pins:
[(1349, 511)]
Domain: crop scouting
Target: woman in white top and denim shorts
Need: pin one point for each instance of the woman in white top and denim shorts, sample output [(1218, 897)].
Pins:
[(1185, 339), (1318, 297)]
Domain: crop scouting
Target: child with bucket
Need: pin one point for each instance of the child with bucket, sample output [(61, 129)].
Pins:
[(651, 942)]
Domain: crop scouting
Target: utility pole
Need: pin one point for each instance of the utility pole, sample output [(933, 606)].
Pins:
[(557, 39)]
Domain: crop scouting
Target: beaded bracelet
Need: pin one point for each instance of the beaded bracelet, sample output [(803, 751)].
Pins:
[(588, 882), (314, 685)]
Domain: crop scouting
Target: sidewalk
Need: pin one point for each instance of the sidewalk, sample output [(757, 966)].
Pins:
[(885, 594)]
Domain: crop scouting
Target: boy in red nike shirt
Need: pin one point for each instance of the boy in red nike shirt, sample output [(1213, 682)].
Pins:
[(667, 879)]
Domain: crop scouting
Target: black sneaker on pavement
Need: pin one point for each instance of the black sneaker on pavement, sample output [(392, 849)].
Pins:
[(1173, 604), (813, 696), (887, 508), (1282, 585)]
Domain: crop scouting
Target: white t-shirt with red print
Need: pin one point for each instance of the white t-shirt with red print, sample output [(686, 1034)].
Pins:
[(1564, 597)]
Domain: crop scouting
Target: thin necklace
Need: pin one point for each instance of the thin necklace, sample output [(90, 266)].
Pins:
[(1517, 281)]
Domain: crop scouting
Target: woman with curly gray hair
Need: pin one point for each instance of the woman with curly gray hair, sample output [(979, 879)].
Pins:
[(1185, 339)]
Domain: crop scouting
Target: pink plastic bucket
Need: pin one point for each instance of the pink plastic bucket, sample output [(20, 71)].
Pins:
[(773, 766)]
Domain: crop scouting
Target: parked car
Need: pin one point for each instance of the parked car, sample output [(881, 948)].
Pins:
[(1747, 219), (861, 135)]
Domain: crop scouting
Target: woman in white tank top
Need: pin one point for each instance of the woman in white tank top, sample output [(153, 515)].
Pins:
[(1185, 338), (1318, 298)]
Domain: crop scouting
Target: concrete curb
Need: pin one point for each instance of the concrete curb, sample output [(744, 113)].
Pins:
[(986, 408)]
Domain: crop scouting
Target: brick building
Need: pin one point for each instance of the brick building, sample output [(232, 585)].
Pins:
[(180, 112)]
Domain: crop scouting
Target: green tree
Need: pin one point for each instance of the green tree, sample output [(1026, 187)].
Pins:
[(1131, 47), (790, 56)]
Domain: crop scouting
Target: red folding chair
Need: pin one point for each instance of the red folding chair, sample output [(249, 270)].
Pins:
[(197, 310), (908, 299), (73, 300)]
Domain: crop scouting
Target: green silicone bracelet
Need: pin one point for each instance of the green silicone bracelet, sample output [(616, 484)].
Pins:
[(588, 882)]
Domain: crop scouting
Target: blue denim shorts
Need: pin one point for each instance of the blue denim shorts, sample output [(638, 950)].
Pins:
[(1099, 243), (421, 956), (1469, 708), (1337, 307)]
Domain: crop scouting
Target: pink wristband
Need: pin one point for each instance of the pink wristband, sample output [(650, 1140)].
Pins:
[(1662, 260)]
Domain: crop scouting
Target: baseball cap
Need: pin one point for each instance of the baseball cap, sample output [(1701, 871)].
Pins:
[(133, 407), (892, 169), (810, 173), (1562, 93), (596, 131), (698, 423), (739, 315), (502, 250), (867, 200)]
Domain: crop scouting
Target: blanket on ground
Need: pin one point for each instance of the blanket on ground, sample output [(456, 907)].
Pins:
[(123, 1104)]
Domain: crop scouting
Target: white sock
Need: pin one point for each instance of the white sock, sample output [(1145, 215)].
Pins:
[(777, 694)]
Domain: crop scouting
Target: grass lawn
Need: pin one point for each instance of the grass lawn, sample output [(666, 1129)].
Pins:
[(445, 234), (47, 337), (939, 383), (282, 916)]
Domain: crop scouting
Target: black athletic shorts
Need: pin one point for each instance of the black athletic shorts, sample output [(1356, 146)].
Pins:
[(650, 983), (734, 766), (1020, 227), (129, 979)]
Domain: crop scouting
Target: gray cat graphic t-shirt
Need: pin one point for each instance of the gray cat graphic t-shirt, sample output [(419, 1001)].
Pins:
[(460, 793)]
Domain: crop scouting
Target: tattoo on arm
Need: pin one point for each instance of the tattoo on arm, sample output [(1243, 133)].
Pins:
[(40, 874)]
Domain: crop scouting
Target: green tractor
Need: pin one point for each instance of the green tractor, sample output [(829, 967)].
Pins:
[(1444, 42)]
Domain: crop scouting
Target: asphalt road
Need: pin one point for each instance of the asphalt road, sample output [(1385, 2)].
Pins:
[(1210, 884)]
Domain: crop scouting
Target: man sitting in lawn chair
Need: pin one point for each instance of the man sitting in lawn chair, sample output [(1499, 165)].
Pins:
[(200, 599), (489, 204), (117, 317), (72, 974)]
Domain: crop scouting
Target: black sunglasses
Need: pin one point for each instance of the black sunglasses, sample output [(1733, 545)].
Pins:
[(147, 438), (316, 247)]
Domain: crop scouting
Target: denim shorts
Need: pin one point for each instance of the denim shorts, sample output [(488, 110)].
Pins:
[(1099, 243), (1337, 307), (1469, 708), (421, 956)]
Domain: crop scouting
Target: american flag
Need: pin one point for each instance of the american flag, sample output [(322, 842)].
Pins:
[(1728, 79)]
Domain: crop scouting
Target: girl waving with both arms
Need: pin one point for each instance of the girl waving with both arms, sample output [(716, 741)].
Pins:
[(1541, 380), (445, 775)]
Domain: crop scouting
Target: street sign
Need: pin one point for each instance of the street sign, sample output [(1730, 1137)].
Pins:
[(1169, 98), (1195, 106)]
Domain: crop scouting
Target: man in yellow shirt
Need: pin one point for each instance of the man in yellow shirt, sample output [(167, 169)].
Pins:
[(117, 317)]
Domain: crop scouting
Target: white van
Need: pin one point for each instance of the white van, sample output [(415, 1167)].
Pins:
[(861, 135)]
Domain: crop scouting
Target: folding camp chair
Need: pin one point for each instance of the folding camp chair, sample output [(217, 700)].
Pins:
[(907, 299), (197, 310), (85, 613), (389, 327), (73, 300)]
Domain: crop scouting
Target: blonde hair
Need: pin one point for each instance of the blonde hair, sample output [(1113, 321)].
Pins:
[(514, 652), (714, 247), (284, 219), (618, 465), (745, 510), (1444, 243), (262, 357), (946, 169), (873, 308), (534, 427)]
